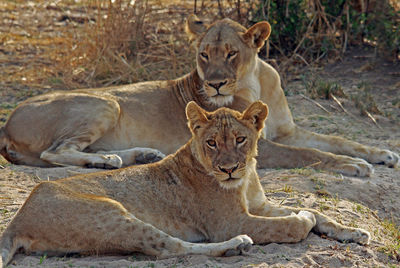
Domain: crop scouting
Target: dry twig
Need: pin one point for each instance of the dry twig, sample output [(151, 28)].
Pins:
[(316, 103)]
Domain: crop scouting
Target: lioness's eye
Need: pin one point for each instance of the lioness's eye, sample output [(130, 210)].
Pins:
[(231, 54), (211, 143), (240, 140), (204, 55)]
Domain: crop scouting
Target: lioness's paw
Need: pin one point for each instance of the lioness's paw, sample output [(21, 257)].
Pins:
[(148, 155), (386, 157), (243, 243), (361, 236), (308, 215), (354, 167), (108, 161)]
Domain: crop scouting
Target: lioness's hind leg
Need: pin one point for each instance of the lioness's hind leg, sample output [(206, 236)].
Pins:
[(137, 155)]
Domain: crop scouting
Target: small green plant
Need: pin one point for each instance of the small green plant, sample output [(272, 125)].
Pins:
[(359, 208), (318, 183), (287, 188), (302, 171), (42, 259), (323, 206)]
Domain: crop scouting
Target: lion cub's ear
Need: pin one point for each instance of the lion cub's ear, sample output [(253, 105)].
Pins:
[(256, 35), (196, 116), (194, 27), (257, 113)]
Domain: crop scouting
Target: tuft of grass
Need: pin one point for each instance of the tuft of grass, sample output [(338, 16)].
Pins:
[(364, 100), (287, 188), (318, 183), (360, 209), (302, 171), (319, 88), (391, 249)]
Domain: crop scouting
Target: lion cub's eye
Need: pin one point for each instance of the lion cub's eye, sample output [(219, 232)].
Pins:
[(232, 54), (211, 143), (240, 140), (204, 55)]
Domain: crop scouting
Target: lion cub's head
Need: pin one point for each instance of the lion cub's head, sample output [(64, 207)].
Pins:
[(226, 54), (225, 141)]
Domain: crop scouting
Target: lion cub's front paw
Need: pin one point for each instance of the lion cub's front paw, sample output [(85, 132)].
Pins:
[(308, 216), (242, 243), (353, 166)]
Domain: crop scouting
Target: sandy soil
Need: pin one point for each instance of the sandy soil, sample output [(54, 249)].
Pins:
[(370, 203)]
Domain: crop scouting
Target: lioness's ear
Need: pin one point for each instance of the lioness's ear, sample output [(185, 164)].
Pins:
[(194, 27), (195, 115), (257, 113), (256, 35)]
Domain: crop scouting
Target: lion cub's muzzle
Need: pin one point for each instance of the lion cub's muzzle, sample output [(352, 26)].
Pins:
[(229, 170)]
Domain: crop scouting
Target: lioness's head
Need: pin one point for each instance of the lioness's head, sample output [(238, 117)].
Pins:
[(225, 141), (226, 53)]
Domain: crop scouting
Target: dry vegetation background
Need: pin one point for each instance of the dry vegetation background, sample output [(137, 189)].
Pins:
[(337, 59), (86, 43)]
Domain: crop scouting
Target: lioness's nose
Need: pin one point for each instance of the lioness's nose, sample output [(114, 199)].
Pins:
[(217, 85), (229, 170)]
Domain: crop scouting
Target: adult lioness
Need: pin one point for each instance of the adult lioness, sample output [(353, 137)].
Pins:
[(207, 191), (70, 128)]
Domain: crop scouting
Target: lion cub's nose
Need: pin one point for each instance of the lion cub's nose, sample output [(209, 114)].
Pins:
[(229, 170), (217, 85)]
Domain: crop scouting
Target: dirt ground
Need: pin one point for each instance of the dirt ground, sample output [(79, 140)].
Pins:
[(371, 203)]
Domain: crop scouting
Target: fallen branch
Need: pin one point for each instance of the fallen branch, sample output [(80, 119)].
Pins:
[(316, 103)]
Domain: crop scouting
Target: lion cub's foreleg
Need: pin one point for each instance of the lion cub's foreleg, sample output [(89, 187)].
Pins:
[(324, 224), (285, 229)]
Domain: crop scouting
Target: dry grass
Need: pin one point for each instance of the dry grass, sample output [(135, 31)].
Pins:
[(125, 41), (120, 45)]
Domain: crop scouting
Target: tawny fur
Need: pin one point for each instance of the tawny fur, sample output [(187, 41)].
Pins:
[(104, 127), (208, 191)]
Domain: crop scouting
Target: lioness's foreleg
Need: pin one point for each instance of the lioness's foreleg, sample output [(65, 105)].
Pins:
[(294, 157), (137, 155), (324, 224), (338, 145), (71, 156)]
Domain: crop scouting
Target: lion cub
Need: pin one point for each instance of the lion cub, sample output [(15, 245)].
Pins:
[(208, 191)]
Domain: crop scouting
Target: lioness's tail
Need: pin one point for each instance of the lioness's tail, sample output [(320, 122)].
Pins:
[(8, 248)]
